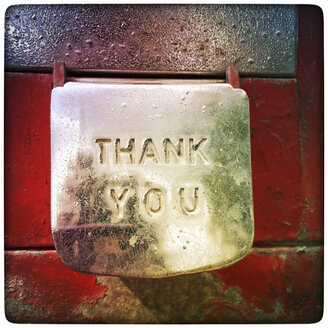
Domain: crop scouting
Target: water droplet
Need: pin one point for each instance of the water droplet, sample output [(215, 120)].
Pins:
[(69, 46), (154, 106), (124, 25), (183, 98), (184, 247), (278, 33), (78, 52), (234, 25), (264, 34), (40, 37), (33, 17), (123, 105), (269, 58), (221, 104), (67, 54), (203, 107), (122, 45), (133, 33), (89, 42), (250, 61)]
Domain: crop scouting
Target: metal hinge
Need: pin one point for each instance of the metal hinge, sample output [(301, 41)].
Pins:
[(60, 76)]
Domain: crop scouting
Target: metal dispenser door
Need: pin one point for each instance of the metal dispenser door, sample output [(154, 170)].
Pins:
[(150, 179)]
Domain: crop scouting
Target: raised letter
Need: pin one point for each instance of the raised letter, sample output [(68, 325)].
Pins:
[(176, 151), (184, 208), (119, 202), (102, 155), (130, 149), (154, 201), (196, 149), (149, 151)]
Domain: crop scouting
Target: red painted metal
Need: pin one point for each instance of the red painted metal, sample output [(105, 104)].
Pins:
[(310, 99), (277, 182), (232, 77), (27, 160), (269, 285)]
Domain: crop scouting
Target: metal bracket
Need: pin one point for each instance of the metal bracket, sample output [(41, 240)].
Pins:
[(58, 74), (232, 77)]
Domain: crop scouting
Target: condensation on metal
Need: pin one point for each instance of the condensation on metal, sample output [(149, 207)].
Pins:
[(257, 39)]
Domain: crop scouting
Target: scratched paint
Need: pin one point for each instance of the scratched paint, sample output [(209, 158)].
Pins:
[(40, 288), (270, 285)]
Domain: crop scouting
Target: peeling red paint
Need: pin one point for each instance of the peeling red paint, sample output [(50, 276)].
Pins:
[(254, 291), (289, 276), (48, 285), (269, 285), (217, 315)]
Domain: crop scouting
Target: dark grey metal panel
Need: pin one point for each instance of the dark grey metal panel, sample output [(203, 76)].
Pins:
[(258, 39)]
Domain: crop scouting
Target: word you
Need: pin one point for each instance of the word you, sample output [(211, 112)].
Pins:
[(154, 201)]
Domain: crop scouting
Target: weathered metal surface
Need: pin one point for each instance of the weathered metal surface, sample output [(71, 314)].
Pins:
[(276, 164), (154, 37), (274, 285), (150, 180), (310, 82), (41, 289)]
